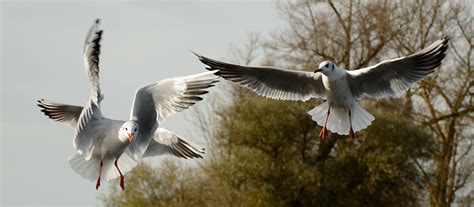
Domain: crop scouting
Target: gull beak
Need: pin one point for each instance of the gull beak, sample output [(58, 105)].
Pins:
[(130, 137), (317, 70)]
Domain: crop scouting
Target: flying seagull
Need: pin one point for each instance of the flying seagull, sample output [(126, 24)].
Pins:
[(341, 88), (102, 143)]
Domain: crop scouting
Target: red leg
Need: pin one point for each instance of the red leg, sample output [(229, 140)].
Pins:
[(97, 184), (122, 179), (324, 131), (351, 131)]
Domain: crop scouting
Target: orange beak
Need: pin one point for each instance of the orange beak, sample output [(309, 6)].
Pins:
[(317, 70), (130, 137)]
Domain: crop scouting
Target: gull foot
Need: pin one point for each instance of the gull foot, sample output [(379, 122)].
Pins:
[(97, 184), (324, 133), (351, 134), (122, 183)]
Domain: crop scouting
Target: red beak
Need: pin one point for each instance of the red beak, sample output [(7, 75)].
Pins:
[(130, 137), (317, 70)]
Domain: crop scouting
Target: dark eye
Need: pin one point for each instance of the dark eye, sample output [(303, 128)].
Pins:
[(135, 130), (126, 128)]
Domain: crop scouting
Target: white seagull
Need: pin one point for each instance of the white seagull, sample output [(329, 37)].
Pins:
[(100, 141), (341, 88)]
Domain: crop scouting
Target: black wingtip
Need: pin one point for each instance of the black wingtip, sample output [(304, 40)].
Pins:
[(445, 40), (40, 102), (199, 56), (212, 69), (445, 43), (203, 60)]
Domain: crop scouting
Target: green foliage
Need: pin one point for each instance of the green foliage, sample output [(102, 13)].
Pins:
[(147, 187), (275, 144)]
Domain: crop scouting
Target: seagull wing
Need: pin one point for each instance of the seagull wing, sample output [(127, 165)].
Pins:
[(166, 142), (61, 112), (397, 75), (154, 102), (273, 83), (87, 128)]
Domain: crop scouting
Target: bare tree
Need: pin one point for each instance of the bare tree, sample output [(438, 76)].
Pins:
[(443, 102), (354, 34)]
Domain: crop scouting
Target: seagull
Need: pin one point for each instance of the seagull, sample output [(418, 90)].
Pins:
[(341, 89), (103, 144)]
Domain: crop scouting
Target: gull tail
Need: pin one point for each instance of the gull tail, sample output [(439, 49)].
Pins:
[(338, 121), (89, 169)]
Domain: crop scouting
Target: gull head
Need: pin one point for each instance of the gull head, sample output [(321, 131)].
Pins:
[(326, 68), (128, 131), (330, 70)]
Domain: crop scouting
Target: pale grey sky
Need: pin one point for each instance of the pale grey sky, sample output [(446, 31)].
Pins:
[(143, 42)]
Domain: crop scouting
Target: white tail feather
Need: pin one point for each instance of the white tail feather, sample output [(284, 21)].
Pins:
[(338, 121), (89, 169)]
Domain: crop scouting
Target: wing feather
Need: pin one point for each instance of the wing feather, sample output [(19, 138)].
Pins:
[(166, 142), (83, 141), (273, 83), (391, 77), (154, 102), (68, 114)]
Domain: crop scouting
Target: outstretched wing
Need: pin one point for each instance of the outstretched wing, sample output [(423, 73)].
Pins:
[(68, 114), (84, 139), (397, 75), (273, 83), (154, 102), (166, 142)]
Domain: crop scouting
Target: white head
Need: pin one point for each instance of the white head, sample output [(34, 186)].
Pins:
[(128, 131), (326, 67)]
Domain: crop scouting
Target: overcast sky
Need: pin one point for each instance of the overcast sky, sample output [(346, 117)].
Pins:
[(143, 42)]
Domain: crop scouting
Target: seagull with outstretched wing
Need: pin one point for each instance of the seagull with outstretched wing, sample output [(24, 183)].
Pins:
[(341, 88), (104, 144)]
